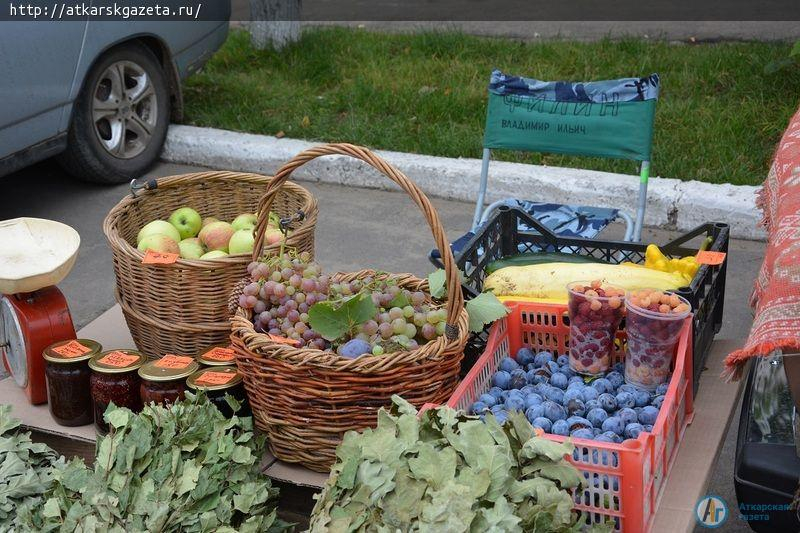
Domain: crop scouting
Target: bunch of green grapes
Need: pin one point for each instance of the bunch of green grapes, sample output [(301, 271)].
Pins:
[(404, 319)]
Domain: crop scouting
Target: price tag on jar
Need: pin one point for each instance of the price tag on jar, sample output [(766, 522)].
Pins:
[(152, 257), (707, 257), (71, 349), (174, 361), (118, 359), (219, 353), (215, 378)]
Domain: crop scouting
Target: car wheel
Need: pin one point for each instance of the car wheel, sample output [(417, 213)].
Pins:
[(119, 120)]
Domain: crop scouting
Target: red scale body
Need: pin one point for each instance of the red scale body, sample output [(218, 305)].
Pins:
[(44, 318)]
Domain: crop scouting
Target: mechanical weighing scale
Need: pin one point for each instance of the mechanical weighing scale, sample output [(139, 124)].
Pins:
[(35, 255)]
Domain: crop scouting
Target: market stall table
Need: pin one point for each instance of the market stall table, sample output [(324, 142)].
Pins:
[(714, 406)]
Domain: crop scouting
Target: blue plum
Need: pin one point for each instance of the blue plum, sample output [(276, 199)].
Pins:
[(559, 380), (554, 411), (625, 399), (582, 433), (515, 403), (508, 364), (478, 408), (542, 358), (355, 348), (615, 378), (597, 416), (533, 399), (614, 424), (561, 427), (642, 398), (627, 415), (501, 379), (575, 407), (661, 390), (648, 415), (525, 356), (633, 430), (602, 385), (534, 412), (488, 399), (562, 360), (608, 402), (543, 424), (590, 393)]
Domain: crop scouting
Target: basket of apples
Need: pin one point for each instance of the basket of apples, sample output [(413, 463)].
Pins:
[(181, 245)]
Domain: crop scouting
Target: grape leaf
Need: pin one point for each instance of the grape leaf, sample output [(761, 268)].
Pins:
[(400, 300), (484, 309), (333, 322), (436, 283)]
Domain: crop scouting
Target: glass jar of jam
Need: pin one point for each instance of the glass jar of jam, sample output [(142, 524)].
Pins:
[(114, 379), (164, 380), (67, 372), (222, 355), (218, 381)]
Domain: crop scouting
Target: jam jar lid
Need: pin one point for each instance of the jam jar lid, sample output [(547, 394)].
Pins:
[(220, 355), (215, 378), (71, 351), (169, 368), (117, 361)]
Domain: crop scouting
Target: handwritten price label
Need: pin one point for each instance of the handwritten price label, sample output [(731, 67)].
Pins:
[(152, 257), (707, 257), (220, 354), (283, 340), (118, 359), (215, 378), (71, 349), (174, 361)]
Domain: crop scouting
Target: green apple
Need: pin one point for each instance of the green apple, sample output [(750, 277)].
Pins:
[(242, 242), (208, 220), (245, 221), (187, 221), (216, 235), (214, 254), (191, 248), (158, 242), (158, 227)]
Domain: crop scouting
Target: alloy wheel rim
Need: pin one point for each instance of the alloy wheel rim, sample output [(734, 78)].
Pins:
[(124, 109)]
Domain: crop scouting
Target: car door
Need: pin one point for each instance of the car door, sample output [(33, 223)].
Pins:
[(37, 67)]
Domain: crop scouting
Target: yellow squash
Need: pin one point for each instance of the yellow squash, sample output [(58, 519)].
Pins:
[(549, 281)]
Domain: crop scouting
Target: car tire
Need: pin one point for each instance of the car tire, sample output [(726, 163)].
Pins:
[(120, 118)]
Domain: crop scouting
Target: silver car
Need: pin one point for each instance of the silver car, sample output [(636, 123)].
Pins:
[(98, 94)]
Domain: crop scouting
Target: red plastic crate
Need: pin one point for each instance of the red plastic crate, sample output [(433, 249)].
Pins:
[(630, 476)]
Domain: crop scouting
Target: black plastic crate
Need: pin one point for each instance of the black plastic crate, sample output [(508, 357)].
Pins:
[(501, 237)]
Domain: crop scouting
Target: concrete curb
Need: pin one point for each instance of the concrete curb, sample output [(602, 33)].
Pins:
[(672, 203)]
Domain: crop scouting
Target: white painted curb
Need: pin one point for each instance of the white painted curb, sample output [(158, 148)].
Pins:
[(672, 203)]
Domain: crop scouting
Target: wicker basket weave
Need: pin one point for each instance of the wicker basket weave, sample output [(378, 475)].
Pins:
[(183, 307), (306, 399)]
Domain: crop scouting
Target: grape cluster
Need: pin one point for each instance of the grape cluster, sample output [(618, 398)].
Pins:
[(282, 291), (403, 320)]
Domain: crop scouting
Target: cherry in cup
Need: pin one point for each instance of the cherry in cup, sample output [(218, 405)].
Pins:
[(654, 321), (595, 311)]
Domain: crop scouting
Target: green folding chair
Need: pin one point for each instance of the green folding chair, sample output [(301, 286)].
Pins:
[(612, 118)]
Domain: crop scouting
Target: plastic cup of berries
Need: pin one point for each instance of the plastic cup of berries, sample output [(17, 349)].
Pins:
[(653, 324), (595, 311)]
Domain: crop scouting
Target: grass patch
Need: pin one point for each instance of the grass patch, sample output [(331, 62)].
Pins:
[(718, 119)]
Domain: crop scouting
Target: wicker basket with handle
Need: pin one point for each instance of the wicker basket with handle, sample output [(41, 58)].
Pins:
[(306, 399), (183, 307)]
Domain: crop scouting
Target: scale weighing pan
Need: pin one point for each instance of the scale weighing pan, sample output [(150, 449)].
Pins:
[(35, 253)]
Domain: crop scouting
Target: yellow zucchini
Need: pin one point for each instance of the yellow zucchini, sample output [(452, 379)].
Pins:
[(550, 280)]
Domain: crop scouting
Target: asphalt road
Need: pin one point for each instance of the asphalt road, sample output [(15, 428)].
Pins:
[(357, 228), (680, 20)]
